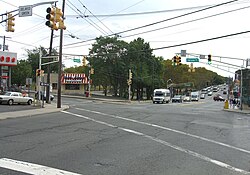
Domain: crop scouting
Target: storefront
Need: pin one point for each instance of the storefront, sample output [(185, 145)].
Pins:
[(71, 83), (7, 60)]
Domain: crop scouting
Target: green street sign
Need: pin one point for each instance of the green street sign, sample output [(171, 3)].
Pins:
[(77, 60), (192, 60)]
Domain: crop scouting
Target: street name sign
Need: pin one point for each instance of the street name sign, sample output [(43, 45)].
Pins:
[(25, 11), (192, 59)]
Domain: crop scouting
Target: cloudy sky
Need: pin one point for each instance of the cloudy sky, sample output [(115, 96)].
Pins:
[(168, 25)]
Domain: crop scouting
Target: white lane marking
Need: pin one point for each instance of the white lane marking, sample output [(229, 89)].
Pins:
[(192, 153), (31, 168), (169, 129)]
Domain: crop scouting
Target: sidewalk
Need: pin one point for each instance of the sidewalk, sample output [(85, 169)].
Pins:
[(48, 108), (237, 110)]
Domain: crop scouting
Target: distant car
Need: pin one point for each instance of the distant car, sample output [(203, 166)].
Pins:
[(202, 96), (187, 98), (15, 97), (224, 92), (177, 98), (210, 93), (218, 98)]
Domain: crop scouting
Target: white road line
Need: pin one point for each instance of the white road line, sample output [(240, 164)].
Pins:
[(169, 129), (192, 153), (31, 168)]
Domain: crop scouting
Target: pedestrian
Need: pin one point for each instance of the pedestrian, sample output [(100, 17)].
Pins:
[(234, 102), (230, 102)]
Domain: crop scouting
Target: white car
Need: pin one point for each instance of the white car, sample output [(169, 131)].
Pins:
[(15, 97)]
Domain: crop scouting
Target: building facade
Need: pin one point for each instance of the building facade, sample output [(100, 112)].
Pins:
[(71, 83)]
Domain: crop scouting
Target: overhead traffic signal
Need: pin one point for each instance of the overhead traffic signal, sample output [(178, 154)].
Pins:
[(51, 18), (209, 59), (10, 23), (59, 19)]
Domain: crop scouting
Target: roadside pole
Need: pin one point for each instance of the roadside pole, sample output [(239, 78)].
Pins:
[(39, 78), (89, 82)]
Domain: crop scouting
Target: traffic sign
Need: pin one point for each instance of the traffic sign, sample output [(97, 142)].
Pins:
[(44, 84), (192, 60), (77, 60), (25, 11)]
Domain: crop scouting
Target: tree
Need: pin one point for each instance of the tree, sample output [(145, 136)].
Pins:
[(20, 72), (106, 57)]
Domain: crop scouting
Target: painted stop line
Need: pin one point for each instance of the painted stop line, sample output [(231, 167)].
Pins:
[(31, 168)]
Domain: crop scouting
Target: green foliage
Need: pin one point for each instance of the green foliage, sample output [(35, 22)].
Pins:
[(20, 72), (112, 58)]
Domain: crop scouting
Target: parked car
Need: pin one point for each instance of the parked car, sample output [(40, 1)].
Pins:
[(218, 97), (43, 96), (177, 98), (15, 97)]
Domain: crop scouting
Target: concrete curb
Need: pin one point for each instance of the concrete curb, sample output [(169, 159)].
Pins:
[(49, 108), (237, 111)]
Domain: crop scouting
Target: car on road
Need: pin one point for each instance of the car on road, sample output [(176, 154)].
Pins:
[(218, 97), (210, 93), (177, 99), (187, 98), (15, 97), (202, 96)]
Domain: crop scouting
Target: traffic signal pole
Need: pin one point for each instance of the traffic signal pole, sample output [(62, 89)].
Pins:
[(59, 103), (48, 69)]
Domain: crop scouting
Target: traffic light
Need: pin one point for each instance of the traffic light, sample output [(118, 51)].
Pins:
[(51, 18), (178, 60), (84, 62), (92, 71), (38, 72), (174, 60), (130, 76), (10, 23), (59, 19), (209, 59)]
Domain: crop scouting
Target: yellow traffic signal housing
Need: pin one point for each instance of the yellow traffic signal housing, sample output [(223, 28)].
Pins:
[(10, 23), (59, 19), (92, 71), (38, 72), (84, 62), (51, 18), (178, 60)]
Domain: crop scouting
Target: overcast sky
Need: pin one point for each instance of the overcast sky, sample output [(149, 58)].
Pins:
[(166, 27)]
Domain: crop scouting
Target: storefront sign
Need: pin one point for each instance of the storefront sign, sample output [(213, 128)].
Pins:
[(8, 58), (74, 78)]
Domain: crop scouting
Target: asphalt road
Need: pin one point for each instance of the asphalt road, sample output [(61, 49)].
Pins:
[(94, 137)]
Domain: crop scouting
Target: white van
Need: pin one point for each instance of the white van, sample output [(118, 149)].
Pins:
[(161, 96), (195, 96)]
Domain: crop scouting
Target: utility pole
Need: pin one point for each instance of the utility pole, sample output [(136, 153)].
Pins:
[(59, 89), (48, 69)]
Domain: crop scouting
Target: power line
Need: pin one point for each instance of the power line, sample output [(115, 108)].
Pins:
[(151, 24), (199, 41), (198, 19), (88, 20), (95, 16)]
